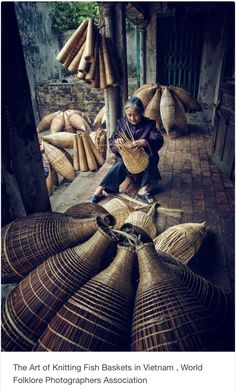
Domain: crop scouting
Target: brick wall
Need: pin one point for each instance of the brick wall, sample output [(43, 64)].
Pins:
[(70, 92)]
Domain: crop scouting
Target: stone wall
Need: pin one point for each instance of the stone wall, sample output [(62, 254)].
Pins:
[(70, 92)]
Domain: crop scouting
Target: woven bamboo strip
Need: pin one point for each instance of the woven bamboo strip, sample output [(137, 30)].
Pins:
[(102, 75), (91, 74), (73, 67), (70, 46), (76, 155), (46, 121), (59, 161), (100, 160), (109, 72), (63, 139), (186, 98), (98, 316), (82, 157), (180, 116), (38, 297), (181, 241), (28, 241), (146, 95), (153, 109), (91, 161), (177, 310), (79, 123), (57, 123), (119, 210), (167, 109), (89, 45)]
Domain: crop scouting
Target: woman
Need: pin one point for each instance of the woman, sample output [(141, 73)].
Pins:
[(145, 135)]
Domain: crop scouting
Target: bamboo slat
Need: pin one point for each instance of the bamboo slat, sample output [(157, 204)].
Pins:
[(178, 310), (98, 316), (28, 241), (39, 296)]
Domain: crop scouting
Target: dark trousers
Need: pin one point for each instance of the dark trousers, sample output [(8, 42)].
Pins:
[(118, 172)]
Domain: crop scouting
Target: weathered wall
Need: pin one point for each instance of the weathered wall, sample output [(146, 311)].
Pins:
[(211, 66), (56, 95), (40, 44), (151, 50), (131, 53)]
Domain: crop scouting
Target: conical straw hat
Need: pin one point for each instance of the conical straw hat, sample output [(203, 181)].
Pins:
[(167, 109)]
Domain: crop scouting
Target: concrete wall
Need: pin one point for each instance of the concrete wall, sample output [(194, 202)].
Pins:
[(40, 44)]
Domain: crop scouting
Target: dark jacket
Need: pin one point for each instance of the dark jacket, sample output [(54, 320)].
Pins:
[(145, 129)]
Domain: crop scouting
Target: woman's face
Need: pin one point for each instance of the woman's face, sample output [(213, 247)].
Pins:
[(133, 116)]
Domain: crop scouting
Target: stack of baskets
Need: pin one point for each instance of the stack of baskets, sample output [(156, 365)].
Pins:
[(99, 138), (69, 299), (88, 55), (166, 105)]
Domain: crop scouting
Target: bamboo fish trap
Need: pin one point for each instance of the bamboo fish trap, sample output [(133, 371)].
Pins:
[(52, 179), (59, 161), (58, 123), (100, 118), (119, 210), (177, 310), (90, 210), (181, 241), (79, 123), (153, 109), (98, 316), (46, 121), (146, 95), (28, 241), (186, 98), (62, 140), (38, 297), (167, 109)]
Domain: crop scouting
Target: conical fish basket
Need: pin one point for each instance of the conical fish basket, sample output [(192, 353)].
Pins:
[(91, 161), (89, 210), (99, 158), (81, 114), (89, 45), (181, 241), (57, 123), (153, 108), (68, 127), (119, 210), (46, 121), (186, 98), (74, 65), (180, 115), (143, 223), (144, 86), (59, 161), (177, 310), (76, 155), (98, 316), (146, 95), (38, 297), (98, 119), (108, 69), (70, 48), (79, 123), (28, 241), (135, 160), (51, 180), (82, 156), (102, 75), (94, 63), (62, 140), (167, 109)]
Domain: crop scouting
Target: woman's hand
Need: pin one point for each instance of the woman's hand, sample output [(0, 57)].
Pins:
[(139, 143)]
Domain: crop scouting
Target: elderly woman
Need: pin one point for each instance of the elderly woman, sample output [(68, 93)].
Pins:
[(145, 135)]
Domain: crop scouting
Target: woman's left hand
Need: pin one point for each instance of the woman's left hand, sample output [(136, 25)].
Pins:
[(139, 143)]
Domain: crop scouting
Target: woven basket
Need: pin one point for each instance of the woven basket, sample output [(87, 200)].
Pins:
[(74, 65), (182, 241), (177, 310), (98, 316), (89, 45), (28, 241), (63, 139), (79, 123), (100, 160), (82, 114), (71, 47), (180, 115), (89, 210), (46, 121), (59, 161), (153, 109), (102, 75), (143, 223), (109, 72), (91, 161), (99, 118), (52, 179), (186, 98), (39, 296), (135, 160), (82, 157), (67, 126), (57, 123), (76, 155), (146, 95), (167, 109), (144, 86), (119, 210), (92, 70)]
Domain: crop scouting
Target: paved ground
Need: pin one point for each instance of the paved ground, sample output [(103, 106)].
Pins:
[(193, 183)]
